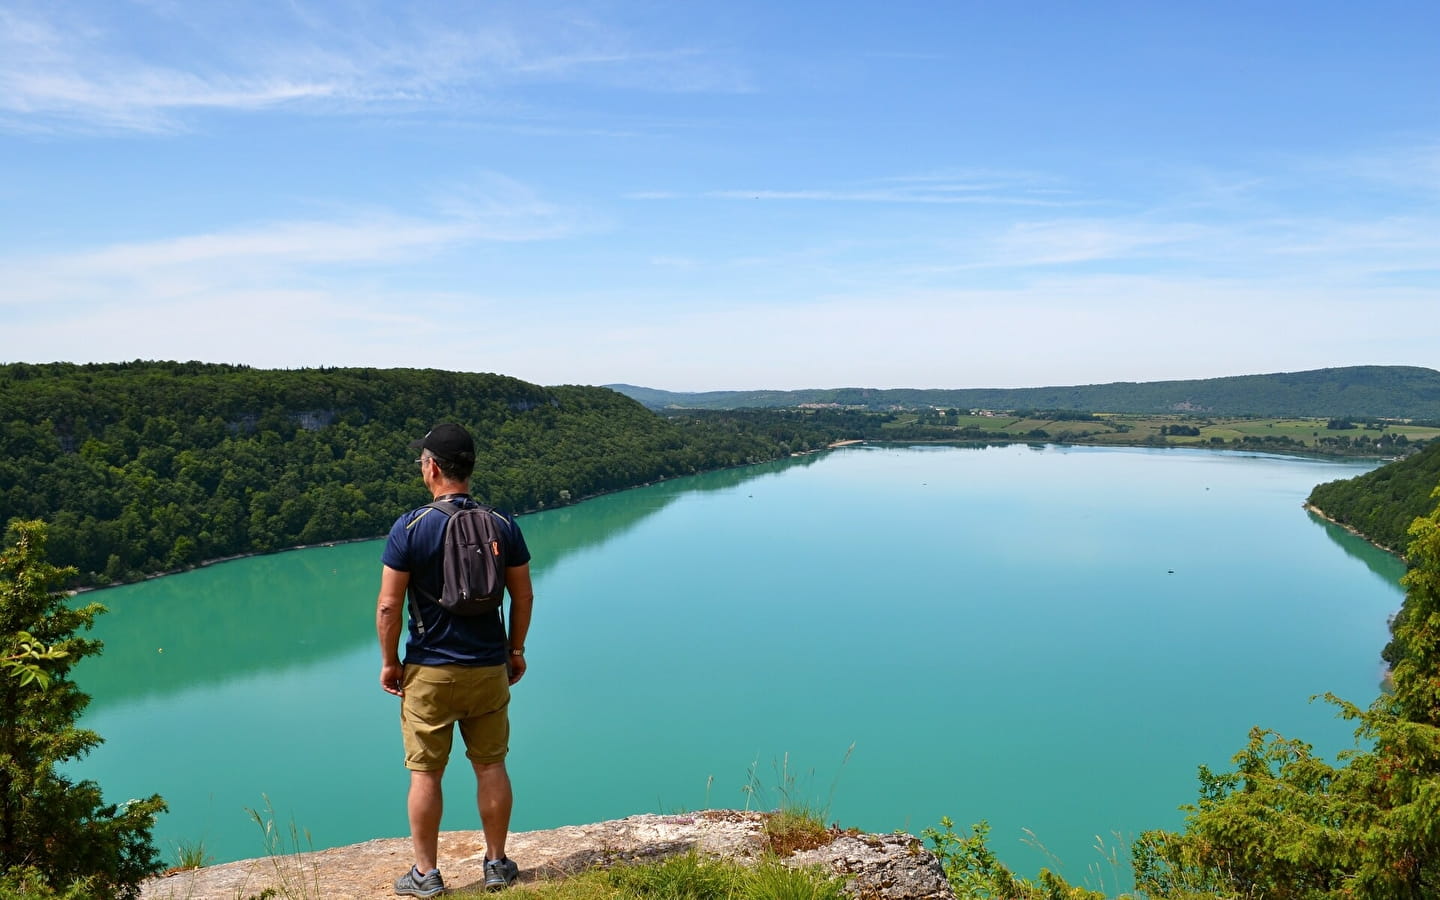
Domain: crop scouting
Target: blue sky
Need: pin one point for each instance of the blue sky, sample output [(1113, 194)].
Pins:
[(740, 195)]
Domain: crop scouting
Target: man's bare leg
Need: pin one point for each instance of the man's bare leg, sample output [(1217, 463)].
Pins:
[(494, 799), (426, 803)]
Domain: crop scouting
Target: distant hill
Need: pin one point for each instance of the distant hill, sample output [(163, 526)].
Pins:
[(1359, 391), (1381, 504)]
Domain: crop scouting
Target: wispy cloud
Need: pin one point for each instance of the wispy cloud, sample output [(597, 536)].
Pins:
[(284, 255), (904, 55), (1015, 227), (64, 67), (894, 195), (1071, 241), (54, 77), (210, 271), (1413, 167), (1360, 247), (282, 243), (980, 189)]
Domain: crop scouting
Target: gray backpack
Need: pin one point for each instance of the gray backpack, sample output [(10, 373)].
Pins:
[(473, 560)]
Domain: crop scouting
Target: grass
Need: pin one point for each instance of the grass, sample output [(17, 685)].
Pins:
[(191, 855), (689, 876), (788, 831), (797, 821), (296, 877), (1114, 860)]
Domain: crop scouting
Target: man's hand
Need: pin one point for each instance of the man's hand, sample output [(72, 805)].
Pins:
[(388, 617), (522, 602), (392, 679)]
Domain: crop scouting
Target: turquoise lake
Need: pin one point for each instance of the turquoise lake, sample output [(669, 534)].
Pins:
[(1048, 638)]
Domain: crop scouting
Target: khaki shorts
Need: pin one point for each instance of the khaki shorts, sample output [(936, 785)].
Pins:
[(436, 697)]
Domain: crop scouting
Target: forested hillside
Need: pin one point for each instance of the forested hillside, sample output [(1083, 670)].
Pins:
[(150, 466), (1381, 504), (1360, 391)]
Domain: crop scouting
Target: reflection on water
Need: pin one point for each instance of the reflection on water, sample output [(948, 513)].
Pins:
[(266, 613), (564, 531), (1387, 566), (282, 611)]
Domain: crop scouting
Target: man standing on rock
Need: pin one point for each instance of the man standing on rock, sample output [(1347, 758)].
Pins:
[(457, 668)]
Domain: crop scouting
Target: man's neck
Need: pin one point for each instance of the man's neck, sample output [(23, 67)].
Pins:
[(444, 488)]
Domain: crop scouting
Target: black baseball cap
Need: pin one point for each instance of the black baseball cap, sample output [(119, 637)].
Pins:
[(449, 442)]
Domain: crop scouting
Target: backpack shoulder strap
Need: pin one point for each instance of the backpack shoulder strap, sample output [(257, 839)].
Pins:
[(449, 510), (444, 506)]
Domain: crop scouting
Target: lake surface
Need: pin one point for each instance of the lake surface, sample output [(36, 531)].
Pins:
[(1050, 638)]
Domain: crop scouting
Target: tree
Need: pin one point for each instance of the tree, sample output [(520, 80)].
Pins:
[(55, 834)]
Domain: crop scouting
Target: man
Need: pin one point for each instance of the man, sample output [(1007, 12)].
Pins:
[(457, 668)]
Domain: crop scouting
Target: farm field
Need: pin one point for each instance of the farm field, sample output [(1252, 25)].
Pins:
[(1303, 435)]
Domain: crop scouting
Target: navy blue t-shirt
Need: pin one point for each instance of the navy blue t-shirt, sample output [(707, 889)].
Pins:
[(415, 545)]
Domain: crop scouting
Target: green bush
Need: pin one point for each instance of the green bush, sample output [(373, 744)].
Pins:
[(58, 838)]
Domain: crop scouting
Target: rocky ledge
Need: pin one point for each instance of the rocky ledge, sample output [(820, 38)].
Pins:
[(875, 866)]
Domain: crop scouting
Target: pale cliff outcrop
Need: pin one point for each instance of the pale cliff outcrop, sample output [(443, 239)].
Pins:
[(876, 866)]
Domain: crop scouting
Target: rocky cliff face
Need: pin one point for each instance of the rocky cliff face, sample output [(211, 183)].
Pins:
[(876, 866)]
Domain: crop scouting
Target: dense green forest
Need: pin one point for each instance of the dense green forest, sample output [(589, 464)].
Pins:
[(1382, 504), (151, 466), (1386, 391), (146, 467)]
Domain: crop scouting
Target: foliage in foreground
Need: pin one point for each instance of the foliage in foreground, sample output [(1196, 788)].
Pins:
[(974, 871), (58, 838)]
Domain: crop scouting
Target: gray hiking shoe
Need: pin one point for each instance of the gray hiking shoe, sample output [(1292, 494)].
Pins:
[(413, 884), (499, 873)]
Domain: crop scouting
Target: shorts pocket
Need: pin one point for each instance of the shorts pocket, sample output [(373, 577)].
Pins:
[(428, 695)]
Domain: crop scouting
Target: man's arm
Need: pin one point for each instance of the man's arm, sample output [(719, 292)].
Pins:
[(522, 602), (389, 616)]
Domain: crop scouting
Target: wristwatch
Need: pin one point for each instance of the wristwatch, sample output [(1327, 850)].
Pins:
[(517, 651)]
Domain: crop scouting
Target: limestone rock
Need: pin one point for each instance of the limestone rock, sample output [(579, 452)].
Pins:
[(877, 867), (882, 866)]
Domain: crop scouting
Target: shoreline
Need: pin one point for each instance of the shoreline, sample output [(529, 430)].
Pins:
[(848, 442), (1317, 511), (205, 563)]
